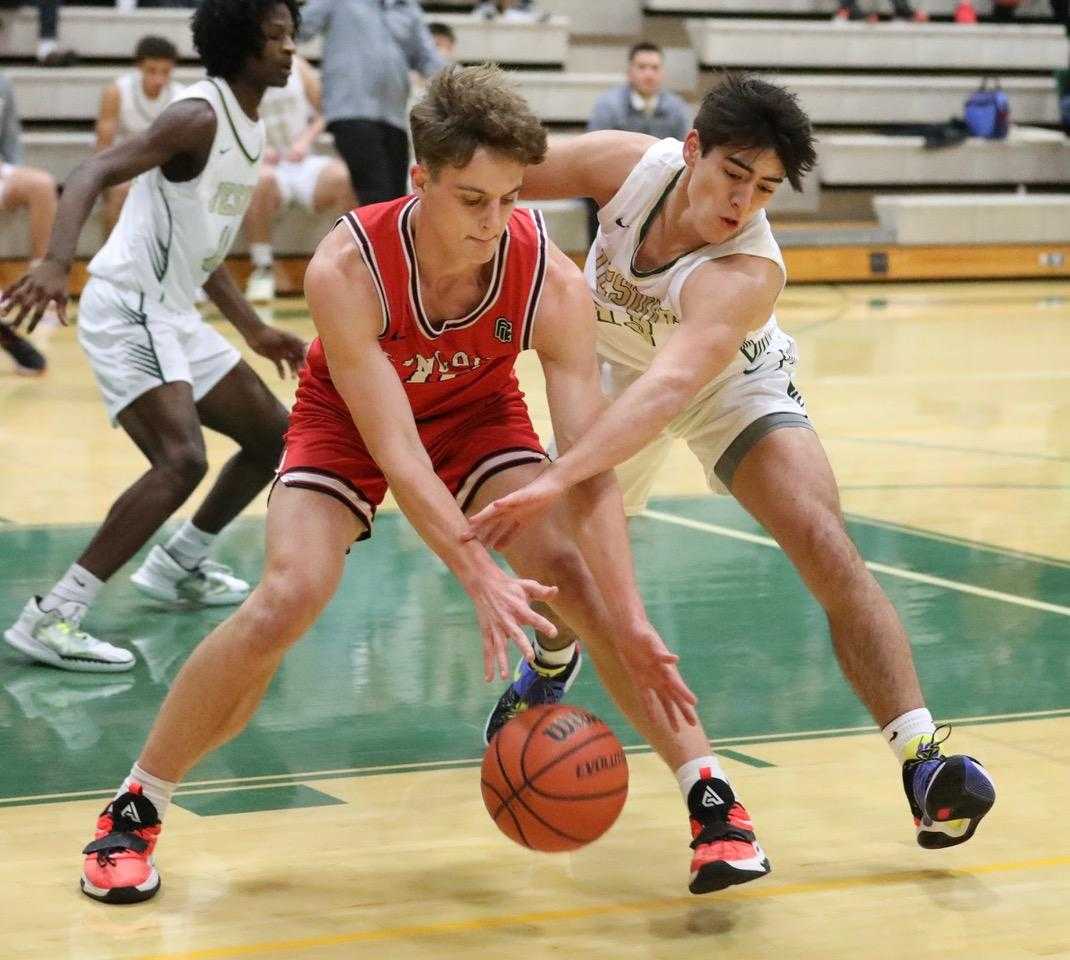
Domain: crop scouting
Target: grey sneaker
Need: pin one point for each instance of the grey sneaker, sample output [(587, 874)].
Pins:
[(60, 642), (209, 584)]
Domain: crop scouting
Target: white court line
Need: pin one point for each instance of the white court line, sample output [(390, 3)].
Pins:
[(875, 567), (310, 776)]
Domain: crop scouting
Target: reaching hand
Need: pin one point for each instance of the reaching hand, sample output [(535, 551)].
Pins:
[(498, 523), (297, 152), (43, 283), (652, 668), (503, 607), (280, 347)]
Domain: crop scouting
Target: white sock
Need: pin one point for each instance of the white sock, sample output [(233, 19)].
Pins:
[(700, 768), (45, 47), (902, 732), (261, 255), (189, 546), (553, 658), (73, 593), (157, 790)]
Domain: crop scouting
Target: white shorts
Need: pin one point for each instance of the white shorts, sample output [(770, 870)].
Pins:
[(135, 346), (6, 169), (297, 181), (720, 426)]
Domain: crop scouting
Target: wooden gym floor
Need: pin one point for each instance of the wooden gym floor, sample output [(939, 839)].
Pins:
[(347, 820)]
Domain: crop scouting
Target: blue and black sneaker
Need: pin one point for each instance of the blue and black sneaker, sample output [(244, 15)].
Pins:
[(948, 795), (532, 684)]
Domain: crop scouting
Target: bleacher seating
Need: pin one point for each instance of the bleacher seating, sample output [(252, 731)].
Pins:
[(101, 33), (975, 218), (854, 79), (723, 42)]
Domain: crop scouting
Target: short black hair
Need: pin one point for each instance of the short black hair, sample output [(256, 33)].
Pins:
[(744, 112), (226, 33), (154, 48), (437, 29), (644, 46)]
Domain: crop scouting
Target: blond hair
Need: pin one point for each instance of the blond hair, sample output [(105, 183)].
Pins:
[(465, 108)]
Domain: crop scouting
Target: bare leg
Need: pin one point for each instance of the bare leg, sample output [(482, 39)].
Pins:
[(241, 407), (36, 190), (544, 552), (804, 517), (164, 425), (333, 189), (263, 207), (221, 685)]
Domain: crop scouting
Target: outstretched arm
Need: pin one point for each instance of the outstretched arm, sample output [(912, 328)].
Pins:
[(721, 302), (182, 134), (590, 165), (564, 339), (347, 315)]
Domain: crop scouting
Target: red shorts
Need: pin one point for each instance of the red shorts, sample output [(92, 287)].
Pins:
[(325, 452)]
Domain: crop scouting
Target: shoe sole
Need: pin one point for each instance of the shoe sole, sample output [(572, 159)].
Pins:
[(717, 876), (568, 683), (151, 591), (43, 654), (957, 797), (121, 894)]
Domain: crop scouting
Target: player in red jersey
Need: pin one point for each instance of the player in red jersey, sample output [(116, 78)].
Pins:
[(422, 305)]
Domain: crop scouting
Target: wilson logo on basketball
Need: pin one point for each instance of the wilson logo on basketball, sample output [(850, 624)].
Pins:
[(599, 764), (563, 727)]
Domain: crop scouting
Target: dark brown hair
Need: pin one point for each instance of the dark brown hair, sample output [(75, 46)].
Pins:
[(750, 114)]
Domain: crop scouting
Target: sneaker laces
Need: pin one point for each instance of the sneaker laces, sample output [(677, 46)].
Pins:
[(715, 830), (931, 750)]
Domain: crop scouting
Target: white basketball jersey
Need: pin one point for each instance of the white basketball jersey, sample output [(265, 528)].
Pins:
[(638, 310), (136, 111), (171, 236), (286, 112)]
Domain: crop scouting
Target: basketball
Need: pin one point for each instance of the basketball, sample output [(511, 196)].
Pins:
[(554, 778)]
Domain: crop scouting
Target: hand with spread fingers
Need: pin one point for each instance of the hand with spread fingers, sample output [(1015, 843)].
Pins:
[(29, 297), (503, 608), (652, 667), (281, 348), (498, 523)]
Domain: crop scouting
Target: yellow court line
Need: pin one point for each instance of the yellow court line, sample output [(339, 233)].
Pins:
[(900, 572), (477, 924)]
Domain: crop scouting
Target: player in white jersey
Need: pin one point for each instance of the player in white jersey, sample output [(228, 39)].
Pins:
[(131, 104), (685, 273), (291, 171), (163, 372)]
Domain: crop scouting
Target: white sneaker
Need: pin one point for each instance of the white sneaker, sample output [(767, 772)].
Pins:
[(210, 584), (261, 285), (53, 639)]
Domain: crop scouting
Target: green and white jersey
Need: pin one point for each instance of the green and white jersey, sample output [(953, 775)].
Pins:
[(171, 236), (639, 310)]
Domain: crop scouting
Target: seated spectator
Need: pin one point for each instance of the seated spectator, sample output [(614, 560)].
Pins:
[(290, 171), (49, 52), (522, 11), (131, 104), (901, 10), (35, 190), (444, 39), (640, 105)]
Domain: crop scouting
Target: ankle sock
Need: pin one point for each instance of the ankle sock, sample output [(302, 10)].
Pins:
[(189, 546), (73, 593), (907, 731)]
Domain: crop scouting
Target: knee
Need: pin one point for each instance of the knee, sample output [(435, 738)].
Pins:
[(285, 604), (41, 187), (833, 561), (184, 466), (563, 567)]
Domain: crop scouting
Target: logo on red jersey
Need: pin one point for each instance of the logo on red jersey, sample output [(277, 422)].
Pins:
[(439, 367), (503, 330)]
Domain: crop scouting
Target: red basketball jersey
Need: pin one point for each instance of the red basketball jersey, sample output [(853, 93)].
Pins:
[(451, 364)]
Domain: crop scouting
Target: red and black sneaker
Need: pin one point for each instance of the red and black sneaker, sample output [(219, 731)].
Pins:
[(726, 850), (118, 865)]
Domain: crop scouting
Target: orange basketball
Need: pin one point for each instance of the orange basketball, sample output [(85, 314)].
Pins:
[(554, 778)]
